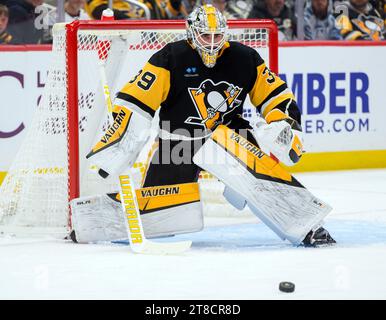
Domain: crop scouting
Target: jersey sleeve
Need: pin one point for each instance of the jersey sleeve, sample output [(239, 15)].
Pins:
[(168, 9), (270, 92), (346, 28), (149, 88)]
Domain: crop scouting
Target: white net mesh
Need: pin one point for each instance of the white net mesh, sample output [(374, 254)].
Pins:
[(35, 191)]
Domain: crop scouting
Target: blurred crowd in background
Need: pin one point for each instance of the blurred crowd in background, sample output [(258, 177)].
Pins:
[(31, 21)]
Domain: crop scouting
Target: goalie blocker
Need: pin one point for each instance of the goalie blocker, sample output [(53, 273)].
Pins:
[(122, 142)]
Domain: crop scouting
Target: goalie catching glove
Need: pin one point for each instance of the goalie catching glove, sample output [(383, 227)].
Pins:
[(280, 136)]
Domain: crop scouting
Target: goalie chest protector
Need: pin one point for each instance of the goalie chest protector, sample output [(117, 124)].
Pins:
[(193, 97)]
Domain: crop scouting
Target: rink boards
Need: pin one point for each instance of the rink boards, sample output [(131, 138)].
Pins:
[(339, 88)]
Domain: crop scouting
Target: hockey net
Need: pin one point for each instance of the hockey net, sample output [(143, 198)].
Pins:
[(50, 167)]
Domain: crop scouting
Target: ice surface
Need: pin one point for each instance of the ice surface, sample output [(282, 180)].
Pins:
[(230, 259)]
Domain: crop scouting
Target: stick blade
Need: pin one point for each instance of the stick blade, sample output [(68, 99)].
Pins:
[(162, 248)]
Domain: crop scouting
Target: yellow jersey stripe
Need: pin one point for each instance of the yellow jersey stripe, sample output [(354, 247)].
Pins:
[(276, 101), (265, 84), (151, 86)]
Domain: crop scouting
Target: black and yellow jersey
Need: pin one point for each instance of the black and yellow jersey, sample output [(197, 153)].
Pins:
[(355, 25), (194, 99), (159, 9), (5, 38), (122, 9)]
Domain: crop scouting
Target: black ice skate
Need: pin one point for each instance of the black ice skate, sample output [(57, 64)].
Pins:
[(71, 236), (319, 237)]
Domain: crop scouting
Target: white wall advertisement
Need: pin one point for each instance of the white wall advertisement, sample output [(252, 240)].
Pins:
[(22, 79), (338, 88), (340, 92)]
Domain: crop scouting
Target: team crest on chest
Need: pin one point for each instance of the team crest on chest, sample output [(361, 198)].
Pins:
[(213, 101)]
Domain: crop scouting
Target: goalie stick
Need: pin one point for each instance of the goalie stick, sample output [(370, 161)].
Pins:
[(130, 210), (138, 241), (104, 47)]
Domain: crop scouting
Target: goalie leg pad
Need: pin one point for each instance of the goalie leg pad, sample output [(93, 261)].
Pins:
[(165, 211), (97, 218), (170, 209), (272, 194), (122, 142)]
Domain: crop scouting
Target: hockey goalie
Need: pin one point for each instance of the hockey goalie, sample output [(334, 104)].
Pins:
[(200, 85)]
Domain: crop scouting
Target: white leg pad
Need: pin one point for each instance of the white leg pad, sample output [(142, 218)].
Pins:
[(100, 218), (289, 209), (97, 218), (186, 218)]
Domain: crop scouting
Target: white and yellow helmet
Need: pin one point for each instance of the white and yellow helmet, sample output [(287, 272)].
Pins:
[(206, 31)]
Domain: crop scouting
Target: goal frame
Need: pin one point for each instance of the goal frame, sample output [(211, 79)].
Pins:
[(72, 74)]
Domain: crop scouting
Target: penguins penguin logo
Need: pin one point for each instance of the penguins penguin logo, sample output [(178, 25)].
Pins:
[(212, 102), (370, 25)]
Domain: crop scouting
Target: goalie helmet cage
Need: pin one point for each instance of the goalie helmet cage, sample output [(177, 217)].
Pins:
[(50, 168)]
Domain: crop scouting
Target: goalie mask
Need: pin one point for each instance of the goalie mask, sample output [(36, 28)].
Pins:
[(206, 31)]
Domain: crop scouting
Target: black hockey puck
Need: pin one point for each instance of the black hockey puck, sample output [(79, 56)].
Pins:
[(286, 286)]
